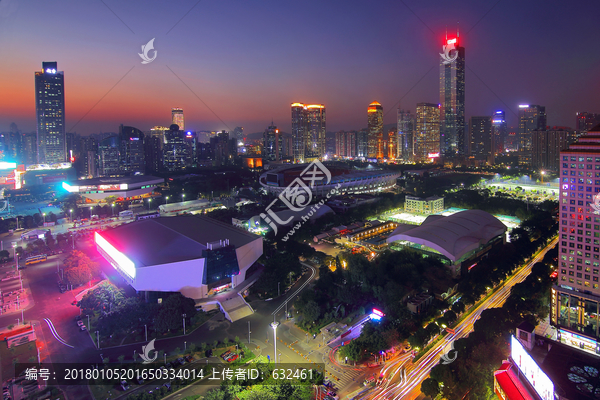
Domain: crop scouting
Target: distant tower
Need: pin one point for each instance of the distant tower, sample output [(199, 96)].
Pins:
[(427, 132), (272, 144), (405, 135), (50, 111), (375, 130), (177, 118), (531, 117), (452, 99), (308, 131)]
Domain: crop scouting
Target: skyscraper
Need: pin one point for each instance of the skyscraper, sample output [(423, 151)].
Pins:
[(177, 118), (391, 151), (499, 133), (452, 99), (362, 143), (575, 298), (50, 112), (132, 150), (272, 144), (315, 144), (308, 131), (427, 132), (546, 147), (345, 144), (109, 156), (531, 117), (375, 130), (480, 137), (405, 135)]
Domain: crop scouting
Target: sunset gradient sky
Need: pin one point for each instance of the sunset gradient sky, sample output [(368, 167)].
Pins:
[(248, 60)]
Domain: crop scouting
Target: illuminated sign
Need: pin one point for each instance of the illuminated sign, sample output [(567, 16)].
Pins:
[(450, 41), (7, 165), (376, 315), (433, 155), (498, 112), (69, 188), (115, 257), (376, 311), (498, 121), (50, 70), (523, 105), (532, 372), (578, 341)]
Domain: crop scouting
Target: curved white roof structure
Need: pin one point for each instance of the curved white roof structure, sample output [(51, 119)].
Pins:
[(452, 236)]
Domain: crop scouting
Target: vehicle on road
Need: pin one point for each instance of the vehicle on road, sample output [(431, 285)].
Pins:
[(124, 385), (79, 323), (36, 259)]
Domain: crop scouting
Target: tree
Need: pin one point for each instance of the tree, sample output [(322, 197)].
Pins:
[(430, 387), (311, 311), (4, 254), (171, 311)]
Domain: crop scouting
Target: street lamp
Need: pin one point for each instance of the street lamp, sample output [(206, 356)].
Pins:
[(543, 173), (167, 199), (274, 325), (183, 324), (149, 200), (44, 214), (91, 211), (113, 209), (71, 210), (182, 196)]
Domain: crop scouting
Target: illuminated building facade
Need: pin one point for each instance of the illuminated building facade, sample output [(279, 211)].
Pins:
[(132, 150), (392, 144), (499, 133), (362, 143), (452, 101), (586, 121), (190, 254), (308, 131), (50, 112), (375, 130), (177, 118), (575, 299), (272, 144), (345, 144), (427, 132), (109, 156), (531, 117), (175, 151), (100, 188), (406, 123)]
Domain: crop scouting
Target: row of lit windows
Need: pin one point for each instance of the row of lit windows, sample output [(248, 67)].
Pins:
[(579, 188), (581, 159), (580, 275), (579, 283), (581, 180), (581, 166), (581, 173)]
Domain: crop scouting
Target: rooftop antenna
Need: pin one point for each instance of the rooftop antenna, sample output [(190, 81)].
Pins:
[(446, 33), (457, 33)]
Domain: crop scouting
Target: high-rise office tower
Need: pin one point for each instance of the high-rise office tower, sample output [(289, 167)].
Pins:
[(315, 144), (29, 143), (272, 144), (546, 147), (177, 118), (499, 133), (452, 99), (50, 112), (480, 137), (405, 135), (531, 117), (175, 151), (362, 143), (375, 129), (345, 144), (586, 121), (88, 150), (238, 133), (575, 298), (153, 153), (132, 150), (299, 131), (308, 131), (109, 156), (427, 132), (392, 144)]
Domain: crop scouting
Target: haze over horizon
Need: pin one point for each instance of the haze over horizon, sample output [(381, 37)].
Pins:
[(248, 62)]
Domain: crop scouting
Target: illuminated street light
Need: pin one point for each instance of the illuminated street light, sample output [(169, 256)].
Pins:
[(71, 210), (44, 214), (183, 324), (167, 199), (113, 209), (182, 196), (274, 325), (149, 200)]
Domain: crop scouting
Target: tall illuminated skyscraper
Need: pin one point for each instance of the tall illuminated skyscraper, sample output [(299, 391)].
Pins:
[(375, 130), (499, 133), (272, 144), (405, 135), (50, 112), (308, 131), (427, 132), (452, 99), (177, 118)]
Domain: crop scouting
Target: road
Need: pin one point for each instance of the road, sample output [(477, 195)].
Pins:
[(409, 388)]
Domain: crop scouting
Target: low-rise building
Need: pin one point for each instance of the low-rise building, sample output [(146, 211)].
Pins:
[(419, 303), (429, 205)]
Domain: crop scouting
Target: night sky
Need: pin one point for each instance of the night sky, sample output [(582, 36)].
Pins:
[(248, 60)]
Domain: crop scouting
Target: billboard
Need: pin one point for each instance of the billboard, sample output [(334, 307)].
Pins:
[(115, 257), (532, 372)]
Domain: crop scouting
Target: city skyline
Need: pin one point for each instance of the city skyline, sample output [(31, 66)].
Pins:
[(228, 74)]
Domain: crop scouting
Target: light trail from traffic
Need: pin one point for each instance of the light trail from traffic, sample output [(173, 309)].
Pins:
[(417, 373)]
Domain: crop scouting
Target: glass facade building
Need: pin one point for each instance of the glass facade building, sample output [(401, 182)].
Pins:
[(50, 113)]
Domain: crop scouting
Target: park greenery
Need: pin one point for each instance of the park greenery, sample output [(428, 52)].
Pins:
[(120, 315)]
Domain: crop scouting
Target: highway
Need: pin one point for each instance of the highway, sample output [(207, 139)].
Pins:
[(406, 385)]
